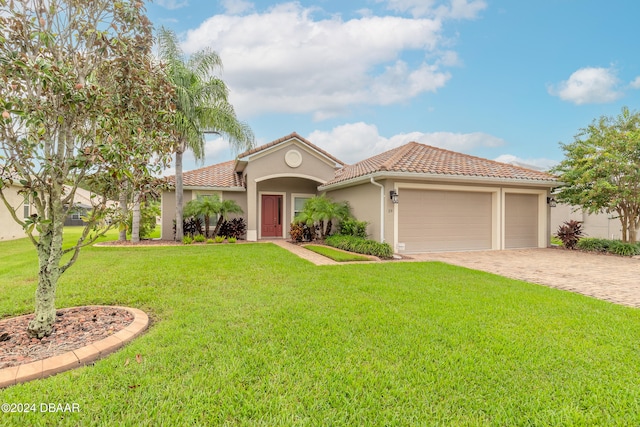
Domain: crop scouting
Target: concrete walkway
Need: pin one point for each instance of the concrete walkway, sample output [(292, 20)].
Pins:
[(610, 278)]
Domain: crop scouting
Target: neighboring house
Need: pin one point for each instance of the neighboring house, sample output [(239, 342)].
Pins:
[(600, 225), (9, 229), (444, 200)]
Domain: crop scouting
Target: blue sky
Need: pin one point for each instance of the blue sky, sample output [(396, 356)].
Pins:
[(500, 79)]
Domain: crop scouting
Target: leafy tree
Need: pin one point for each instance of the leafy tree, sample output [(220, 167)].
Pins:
[(202, 106), (601, 170), (66, 118)]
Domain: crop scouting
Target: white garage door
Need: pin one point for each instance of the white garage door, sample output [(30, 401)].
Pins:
[(521, 221), (432, 220)]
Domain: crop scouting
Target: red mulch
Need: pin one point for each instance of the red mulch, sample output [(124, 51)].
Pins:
[(74, 328)]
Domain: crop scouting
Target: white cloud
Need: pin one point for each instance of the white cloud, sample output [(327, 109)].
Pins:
[(589, 86), (356, 141), (172, 4), (536, 163), (237, 7), (284, 60), (456, 9), (636, 83)]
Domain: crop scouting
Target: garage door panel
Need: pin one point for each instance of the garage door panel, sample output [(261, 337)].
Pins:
[(521, 221), (433, 220)]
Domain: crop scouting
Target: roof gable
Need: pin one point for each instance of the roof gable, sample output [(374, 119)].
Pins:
[(293, 136), (417, 158)]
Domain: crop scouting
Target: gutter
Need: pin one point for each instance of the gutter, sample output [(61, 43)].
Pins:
[(441, 177), (382, 199)]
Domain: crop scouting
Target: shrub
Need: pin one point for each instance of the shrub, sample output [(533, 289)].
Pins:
[(624, 249), (210, 241), (187, 240), (190, 226), (353, 227), (296, 232), (360, 245), (199, 238), (570, 233), (236, 228), (219, 239), (593, 244), (231, 239), (149, 212)]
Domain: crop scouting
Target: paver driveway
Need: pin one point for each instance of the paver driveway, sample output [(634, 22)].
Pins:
[(610, 278)]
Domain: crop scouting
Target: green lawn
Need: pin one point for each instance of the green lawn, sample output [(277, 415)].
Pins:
[(252, 335), (336, 255)]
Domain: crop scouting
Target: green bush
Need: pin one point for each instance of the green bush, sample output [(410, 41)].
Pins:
[(593, 244), (199, 238), (360, 245), (353, 227), (624, 249), (231, 239), (219, 239), (210, 241), (187, 240)]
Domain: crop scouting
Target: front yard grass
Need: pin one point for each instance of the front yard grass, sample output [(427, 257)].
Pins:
[(336, 255), (253, 335)]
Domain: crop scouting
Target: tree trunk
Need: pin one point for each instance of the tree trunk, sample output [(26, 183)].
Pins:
[(179, 207), (135, 221), (218, 225), (125, 212), (49, 254)]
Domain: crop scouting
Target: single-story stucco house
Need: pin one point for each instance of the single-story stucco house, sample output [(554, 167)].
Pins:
[(416, 197)]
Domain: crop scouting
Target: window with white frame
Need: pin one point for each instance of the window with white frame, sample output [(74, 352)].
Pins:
[(298, 204), (26, 207)]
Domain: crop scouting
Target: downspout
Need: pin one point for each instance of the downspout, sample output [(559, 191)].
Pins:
[(382, 199)]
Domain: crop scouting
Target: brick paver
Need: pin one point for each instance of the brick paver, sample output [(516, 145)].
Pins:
[(611, 278)]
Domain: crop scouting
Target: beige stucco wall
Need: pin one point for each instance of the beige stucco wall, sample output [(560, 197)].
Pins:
[(9, 229), (365, 206), (602, 225)]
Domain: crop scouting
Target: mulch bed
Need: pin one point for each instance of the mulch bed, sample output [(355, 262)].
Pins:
[(74, 328)]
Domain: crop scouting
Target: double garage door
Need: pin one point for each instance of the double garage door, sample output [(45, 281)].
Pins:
[(435, 220)]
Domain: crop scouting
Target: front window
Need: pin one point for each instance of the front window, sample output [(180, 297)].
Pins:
[(298, 205), (26, 208)]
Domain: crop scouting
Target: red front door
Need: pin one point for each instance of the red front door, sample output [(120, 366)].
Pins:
[(271, 216)]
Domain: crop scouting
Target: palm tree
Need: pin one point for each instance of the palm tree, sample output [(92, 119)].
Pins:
[(202, 106), (225, 208), (321, 210), (206, 206)]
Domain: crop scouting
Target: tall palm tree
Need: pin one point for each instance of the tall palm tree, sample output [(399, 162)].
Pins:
[(202, 106)]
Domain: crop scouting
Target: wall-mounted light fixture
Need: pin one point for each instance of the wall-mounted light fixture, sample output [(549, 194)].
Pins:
[(552, 202), (393, 195)]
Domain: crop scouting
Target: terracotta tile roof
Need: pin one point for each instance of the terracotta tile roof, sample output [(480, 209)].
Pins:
[(424, 159), (287, 138), (220, 175)]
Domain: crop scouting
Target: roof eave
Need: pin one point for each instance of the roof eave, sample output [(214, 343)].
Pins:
[(440, 177), (208, 188)]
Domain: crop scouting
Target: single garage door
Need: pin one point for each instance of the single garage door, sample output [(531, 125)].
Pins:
[(432, 220), (521, 221)]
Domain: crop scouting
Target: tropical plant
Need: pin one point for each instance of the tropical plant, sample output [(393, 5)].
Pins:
[(601, 170), (80, 96), (205, 206), (570, 233), (296, 232), (236, 228), (353, 227), (226, 207), (199, 238), (231, 239), (219, 239), (202, 106), (319, 211)]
